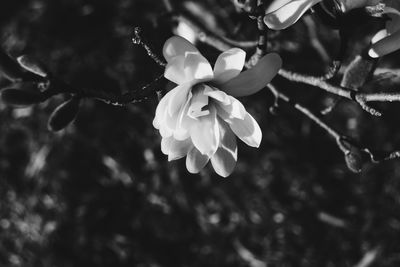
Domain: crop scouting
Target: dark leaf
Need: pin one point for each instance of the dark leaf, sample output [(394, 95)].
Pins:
[(21, 97)]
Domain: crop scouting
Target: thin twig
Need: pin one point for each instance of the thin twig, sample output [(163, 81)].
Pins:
[(240, 44), (305, 111), (316, 82), (361, 98), (168, 5), (130, 97), (314, 40), (261, 49)]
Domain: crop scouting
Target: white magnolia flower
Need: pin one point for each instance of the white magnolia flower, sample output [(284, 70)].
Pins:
[(200, 118), (387, 40), (281, 14)]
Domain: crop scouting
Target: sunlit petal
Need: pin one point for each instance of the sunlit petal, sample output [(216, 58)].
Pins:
[(224, 159), (177, 46), (197, 67), (247, 130), (195, 161), (185, 63), (184, 122), (385, 46), (178, 98), (217, 95), (205, 133), (165, 131), (276, 4), (175, 149), (228, 65), (379, 36), (234, 110), (175, 72), (161, 110), (288, 14), (251, 81)]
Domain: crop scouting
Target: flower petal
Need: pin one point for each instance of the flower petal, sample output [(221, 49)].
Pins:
[(217, 95), (161, 110), (385, 46), (224, 160), (234, 109), (251, 81), (178, 98), (175, 70), (185, 64), (379, 36), (175, 149), (177, 46), (247, 130), (195, 161), (288, 14), (229, 64), (205, 133), (167, 111), (197, 67), (184, 122), (276, 4), (227, 106)]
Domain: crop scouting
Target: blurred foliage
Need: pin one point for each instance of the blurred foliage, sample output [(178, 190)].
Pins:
[(101, 193)]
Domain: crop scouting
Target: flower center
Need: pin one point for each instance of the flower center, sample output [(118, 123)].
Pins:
[(199, 103)]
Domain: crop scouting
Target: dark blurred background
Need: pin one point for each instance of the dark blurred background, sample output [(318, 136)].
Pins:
[(101, 193)]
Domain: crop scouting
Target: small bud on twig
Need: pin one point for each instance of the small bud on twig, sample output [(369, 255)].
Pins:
[(355, 156), (33, 65), (354, 160), (358, 71), (64, 114)]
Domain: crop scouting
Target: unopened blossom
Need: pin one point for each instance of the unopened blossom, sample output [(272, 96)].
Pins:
[(200, 118), (281, 14), (387, 40)]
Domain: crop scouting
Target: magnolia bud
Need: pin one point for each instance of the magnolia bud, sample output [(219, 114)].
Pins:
[(274, 110), (355, 160), (33, 65), (21, 97), (64, 114), (355, 157), (357, 73)]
